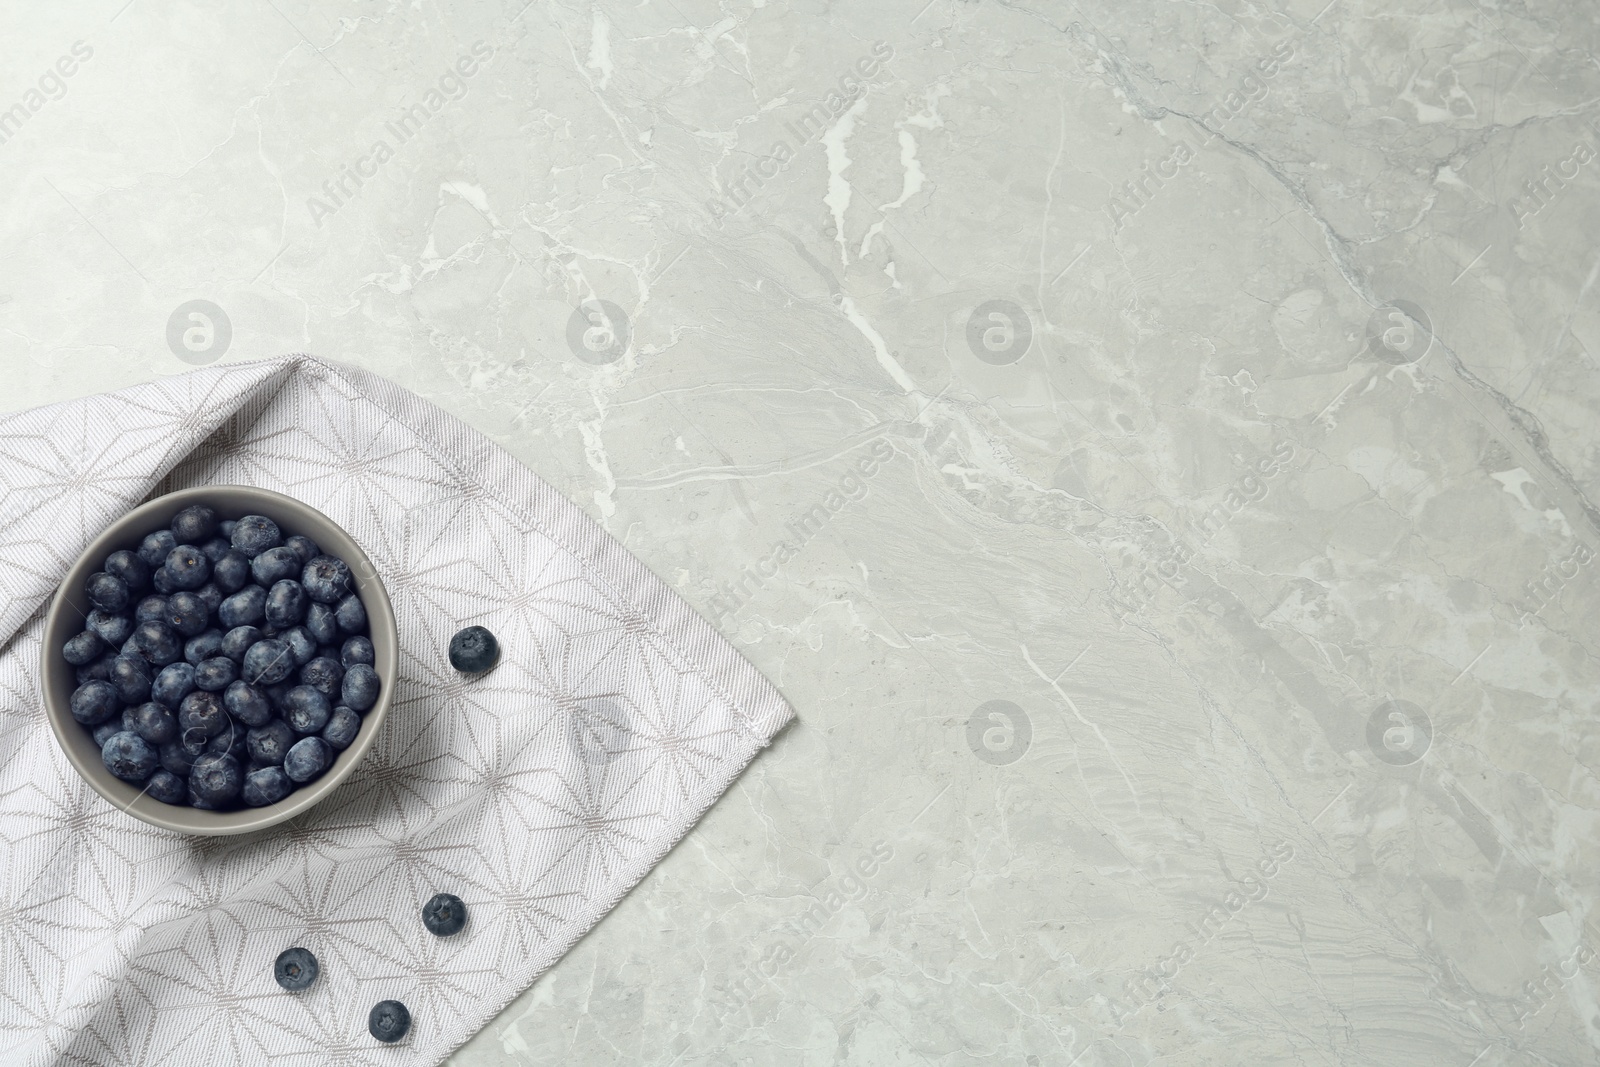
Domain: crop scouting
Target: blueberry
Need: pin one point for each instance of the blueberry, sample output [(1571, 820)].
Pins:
[(295, 968), (98, 671), (175, 682), (359, 690), (306, 710), (157, 643), (186, 613), (129, 756), (225, 527), (278, 694), (327, 652), (215, 549), (154, 548), (167, 787), (203, 646), (266, 785), (130, 677), (237, 641), (188, 567), (130, 647), (210, 596), (327, 579), (352, 615), (194, 524), (129, 569), (269, 660), (388, 1021), (106, 592), (216, 673), (161, 581), (152, 608), (320, 622), (286, 604), (324, 675), (303, 547), (95, 702), (154, 722), (83, 649), (357, 650), (444, 914), (474, 650), (176, 757), (274, 565), (201, 713), (254, 534), (105, 730), (232, 742), (245, 608), (231, 572), (268, 743), (301, 645), (343, 726), (307, 758), (113, 629), (247, 704), (216, 779)]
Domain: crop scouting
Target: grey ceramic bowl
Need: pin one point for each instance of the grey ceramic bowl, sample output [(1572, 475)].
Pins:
[(71, 605)]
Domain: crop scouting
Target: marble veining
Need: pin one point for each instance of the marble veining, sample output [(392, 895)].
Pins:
[(1151, 445)]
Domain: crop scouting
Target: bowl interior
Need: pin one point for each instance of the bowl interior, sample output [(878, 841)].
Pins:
[(71, 606)]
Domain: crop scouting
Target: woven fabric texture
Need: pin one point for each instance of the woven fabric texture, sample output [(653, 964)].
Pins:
[(539, 793)]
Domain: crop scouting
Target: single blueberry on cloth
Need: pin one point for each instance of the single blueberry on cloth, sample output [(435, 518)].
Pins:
[(388, 1021), (444, 914), (295, 969), (474, 650)]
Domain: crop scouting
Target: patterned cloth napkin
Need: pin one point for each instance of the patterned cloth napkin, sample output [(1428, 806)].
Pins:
[(539, 793)]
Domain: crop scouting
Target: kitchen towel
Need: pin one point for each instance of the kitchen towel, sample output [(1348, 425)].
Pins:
[(539, 793)]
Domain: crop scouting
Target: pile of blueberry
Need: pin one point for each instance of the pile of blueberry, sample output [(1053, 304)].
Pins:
[(389, 1020), (223, 664)]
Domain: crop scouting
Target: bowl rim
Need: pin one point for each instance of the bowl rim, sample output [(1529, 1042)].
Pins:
[(56, 680)]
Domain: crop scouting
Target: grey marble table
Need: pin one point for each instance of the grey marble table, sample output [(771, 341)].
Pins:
[(1152, 445)]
